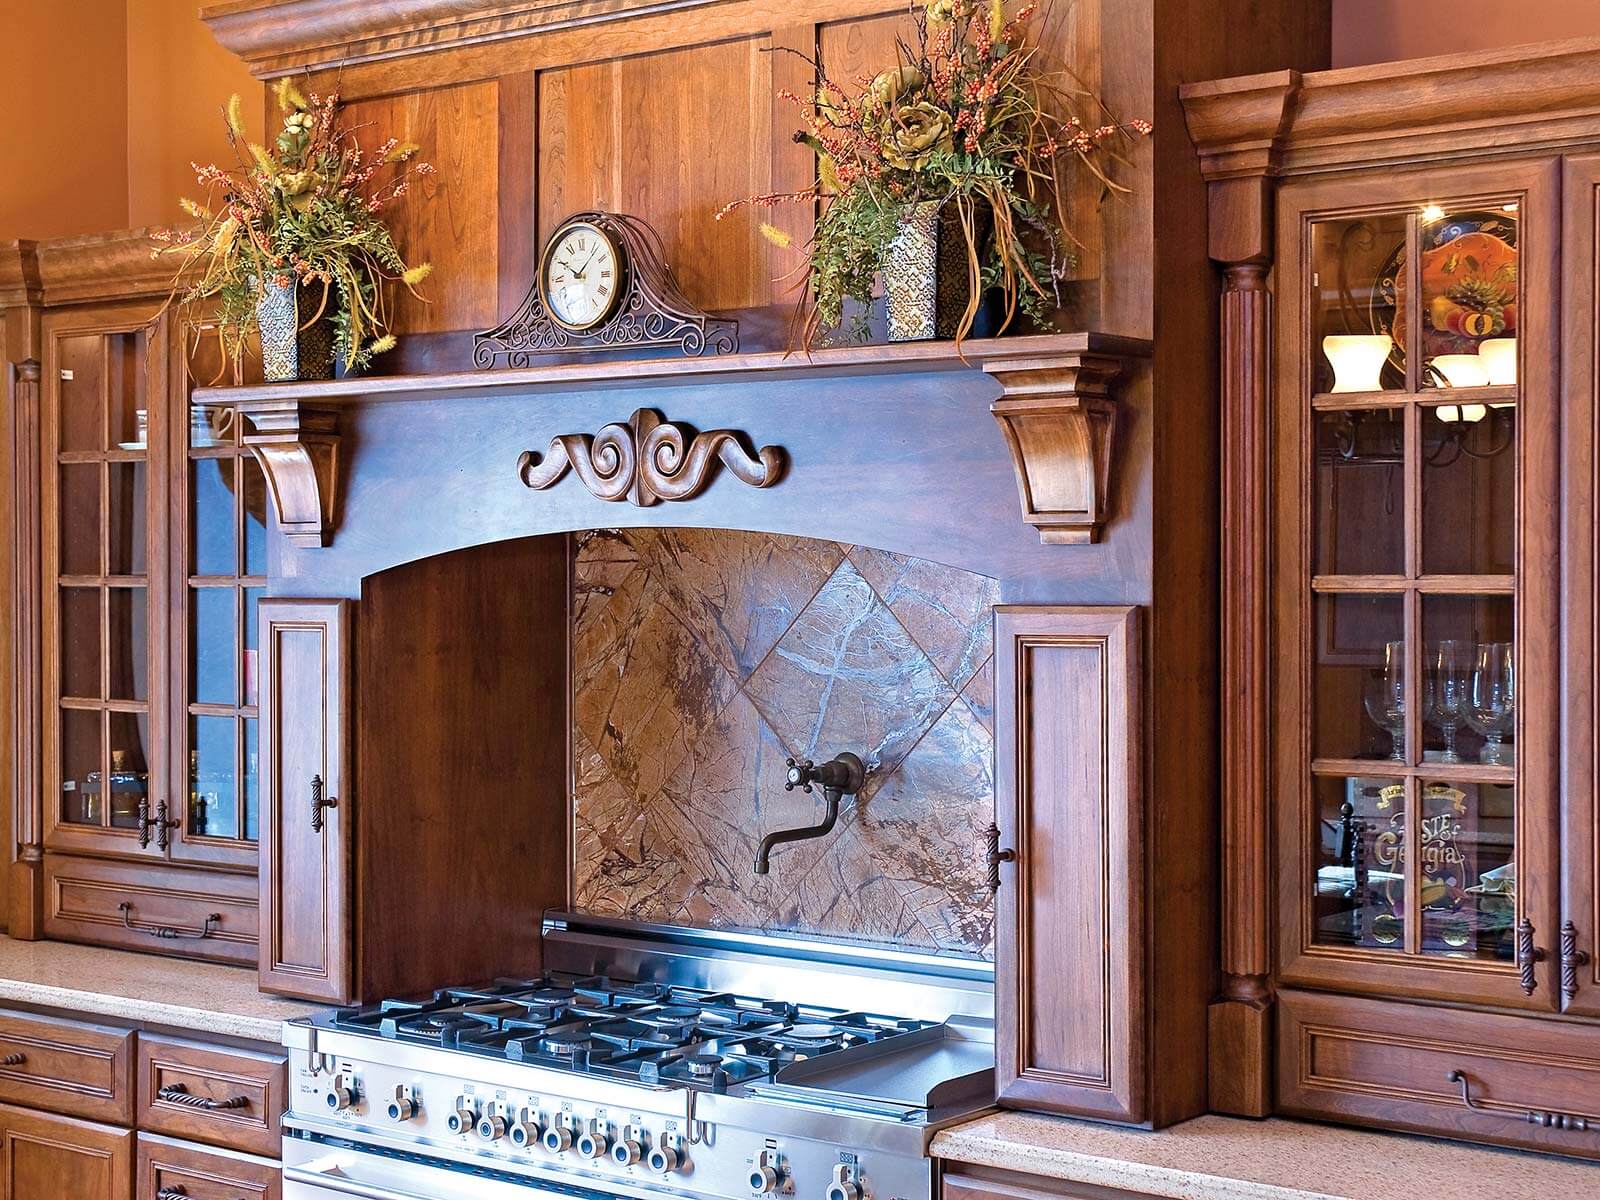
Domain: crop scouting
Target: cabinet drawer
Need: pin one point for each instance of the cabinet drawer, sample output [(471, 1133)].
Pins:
[(1403, 1066), (67, 1067), (232, 1098), (170, 1169), (156, 909)]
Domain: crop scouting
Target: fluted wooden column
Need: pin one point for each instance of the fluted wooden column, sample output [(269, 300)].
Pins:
[(1240, 1019)]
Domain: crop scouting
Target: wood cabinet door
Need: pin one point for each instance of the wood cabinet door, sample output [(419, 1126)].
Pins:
[(1578, 951), (48, 1157), (307, 820), (1069, 946)]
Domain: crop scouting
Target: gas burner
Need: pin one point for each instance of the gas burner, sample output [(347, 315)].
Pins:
[(565, 1043), (702, 1066)]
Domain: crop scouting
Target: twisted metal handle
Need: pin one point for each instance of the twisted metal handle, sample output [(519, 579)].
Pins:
[(161, 824), (1528, 955), (993, 855), (177, 1093), (172, 1193), (14, 1059), (1567, 1122), (1571, 959), (169, 932), (319, 800)]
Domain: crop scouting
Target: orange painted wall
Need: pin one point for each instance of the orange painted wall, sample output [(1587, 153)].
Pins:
[(108, 102), (63, 144), (1371, 31)]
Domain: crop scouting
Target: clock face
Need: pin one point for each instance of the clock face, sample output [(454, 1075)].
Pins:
[(581, 277)]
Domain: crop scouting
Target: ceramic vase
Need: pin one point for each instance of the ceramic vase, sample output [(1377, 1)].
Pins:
[(290, 348)]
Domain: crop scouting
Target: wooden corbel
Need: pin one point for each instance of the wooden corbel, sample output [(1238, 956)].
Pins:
[(297, 445), (1060, 423)]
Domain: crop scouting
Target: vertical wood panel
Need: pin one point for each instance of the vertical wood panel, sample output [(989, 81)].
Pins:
[(1069, 957), (449, 218), (516, 201)]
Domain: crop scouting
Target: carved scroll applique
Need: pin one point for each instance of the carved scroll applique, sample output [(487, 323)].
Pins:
[(649, 459)]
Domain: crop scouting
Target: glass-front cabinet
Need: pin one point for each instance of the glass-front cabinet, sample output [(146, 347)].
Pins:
[(1417, 608), (154, 542)]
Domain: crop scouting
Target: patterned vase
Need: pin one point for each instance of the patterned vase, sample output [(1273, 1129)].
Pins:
[(288, 350), (910, 275)]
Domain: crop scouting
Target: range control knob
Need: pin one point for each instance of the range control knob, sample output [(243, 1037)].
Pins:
[(492, 1124), (629, 1148), (344, 1091), (664, 1159), (465, 1117), (525, 1130), (593, 1142), (558, 1139), (765, 1175), (843, 1186), (404, 1105)]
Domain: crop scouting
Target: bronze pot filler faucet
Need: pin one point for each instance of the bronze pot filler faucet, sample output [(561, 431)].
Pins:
[(840, 776)]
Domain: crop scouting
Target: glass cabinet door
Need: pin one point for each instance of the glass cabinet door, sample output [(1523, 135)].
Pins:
[(104, 622), (223, 543), (1421, 596)]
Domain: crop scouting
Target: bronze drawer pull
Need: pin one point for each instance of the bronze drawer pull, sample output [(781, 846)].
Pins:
[(172, 1193), (1528, 955), (993, 856), (319, 801), (1545, 1120), (176, 1093), (14, 1059), (1571, 959), (161, 823), (168, 931)]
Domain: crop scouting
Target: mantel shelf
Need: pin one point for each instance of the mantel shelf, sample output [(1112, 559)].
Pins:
[(1057, 413)]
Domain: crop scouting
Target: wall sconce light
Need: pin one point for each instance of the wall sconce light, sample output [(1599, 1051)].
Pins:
[(1499, 357), (1357, 360)]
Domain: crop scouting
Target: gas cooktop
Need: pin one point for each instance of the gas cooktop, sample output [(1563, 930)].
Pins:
[(653, 1033)]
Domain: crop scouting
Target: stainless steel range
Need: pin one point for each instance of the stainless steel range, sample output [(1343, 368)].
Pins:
[(647, 1062)]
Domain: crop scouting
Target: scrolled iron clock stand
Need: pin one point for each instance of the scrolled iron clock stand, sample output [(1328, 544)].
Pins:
[(651, 311)]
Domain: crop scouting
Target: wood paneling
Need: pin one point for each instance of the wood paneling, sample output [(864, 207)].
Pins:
[(49, 1158), (306, 673), (1389, 1064), (1070, 956), (670, 138), (449, 218), (236, 1098), (67, 1066), (463, 741), (173, 1168)]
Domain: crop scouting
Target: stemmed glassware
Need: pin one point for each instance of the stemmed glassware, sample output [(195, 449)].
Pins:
[(1492, 707), (1385, 698), (1452, 679)]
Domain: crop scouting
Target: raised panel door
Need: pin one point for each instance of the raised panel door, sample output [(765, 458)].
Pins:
[(307, 816), (1069, 946), (45, 1157)]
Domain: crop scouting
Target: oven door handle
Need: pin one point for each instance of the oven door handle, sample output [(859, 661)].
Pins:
[(365, 1176), (327, 1175)]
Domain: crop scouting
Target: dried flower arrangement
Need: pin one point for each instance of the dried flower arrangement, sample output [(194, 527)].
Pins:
[(309, 212), (968, 118)]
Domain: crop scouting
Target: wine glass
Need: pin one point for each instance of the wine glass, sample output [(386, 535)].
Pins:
[(1492, 708), (1452, 680), (1385, 697)]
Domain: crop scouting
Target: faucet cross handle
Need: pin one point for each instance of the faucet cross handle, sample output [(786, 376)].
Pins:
[(800, 775)]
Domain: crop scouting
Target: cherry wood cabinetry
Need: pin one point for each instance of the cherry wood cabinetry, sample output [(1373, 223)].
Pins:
[(1070, 980), (167, 1168), (46, 1157), (1408, 332)]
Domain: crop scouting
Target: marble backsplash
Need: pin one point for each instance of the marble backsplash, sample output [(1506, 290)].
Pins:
[(703, 658)]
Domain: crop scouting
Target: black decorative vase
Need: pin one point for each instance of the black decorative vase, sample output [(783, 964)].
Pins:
[(953, 281)]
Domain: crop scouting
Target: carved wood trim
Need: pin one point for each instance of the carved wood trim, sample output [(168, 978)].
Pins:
[(1518, 101), (19, 274), (1059, 421), (297, 445), (648, 459), (103, 266)]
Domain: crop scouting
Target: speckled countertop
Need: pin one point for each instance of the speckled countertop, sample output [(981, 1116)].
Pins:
[(198, 997), (1222, 1158)]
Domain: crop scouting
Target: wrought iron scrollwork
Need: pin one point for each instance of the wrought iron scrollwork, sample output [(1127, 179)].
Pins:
[(649, 459), (652, 312)]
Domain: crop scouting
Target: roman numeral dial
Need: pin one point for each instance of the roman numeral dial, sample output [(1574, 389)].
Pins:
[(579, 279)]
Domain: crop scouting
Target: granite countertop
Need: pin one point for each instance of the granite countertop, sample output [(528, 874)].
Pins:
[(1224, 1158), (198, 997)]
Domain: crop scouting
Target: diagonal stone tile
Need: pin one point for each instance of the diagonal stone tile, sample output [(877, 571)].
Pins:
[(979, 694), (739, 592), (643, 689), (602, 562), (923, 829), (616, 864), (847, 676), (947, 610)]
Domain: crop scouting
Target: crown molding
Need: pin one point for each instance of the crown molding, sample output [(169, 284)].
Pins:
[(102, 266), (19, 274), (1522, 100)]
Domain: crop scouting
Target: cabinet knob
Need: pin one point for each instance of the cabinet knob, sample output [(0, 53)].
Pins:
[(319, 801)]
